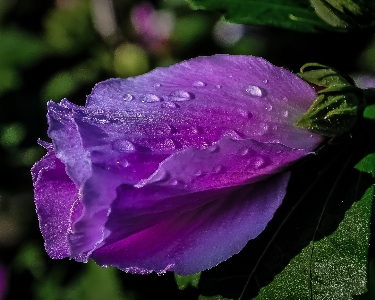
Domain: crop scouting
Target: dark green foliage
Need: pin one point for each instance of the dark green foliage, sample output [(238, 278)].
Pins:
[(291, 14), (318, 237)]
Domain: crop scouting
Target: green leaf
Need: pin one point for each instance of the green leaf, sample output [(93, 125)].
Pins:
[(291, 14), (97, 283), (184, 281), (369, 112), (367, 164), (346, 13), (322, 75), (334, 267)]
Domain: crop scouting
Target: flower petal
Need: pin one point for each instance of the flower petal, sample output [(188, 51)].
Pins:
[(56, 204), (193, 241), (169, 143), (191, 178), (198, 101)]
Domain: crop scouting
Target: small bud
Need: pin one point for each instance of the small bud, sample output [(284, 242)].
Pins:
[(337, 107)]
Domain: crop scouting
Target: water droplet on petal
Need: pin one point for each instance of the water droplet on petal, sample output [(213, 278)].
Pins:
[(255, 91), (169, 104), (128, 97), (269, 107), (180, 95), (258, 162), (264, 126), (150, 98), (218, 86), (218, 169), (244, 151), (265, 81), (124, 146), (194, 130), (245, 113), (285, 113), (198, 173), (199, 84), (213, 148), (123, 163), (157, 85), (274, 127), (174, 182)]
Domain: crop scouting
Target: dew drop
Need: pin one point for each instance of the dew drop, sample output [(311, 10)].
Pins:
[(269, 107), (194, 130), (218, 86), (285, 113), (265, 81), (245, 113), (124, 146), (199, 84), (244, 151), (214, 148), (264, 126), (180, 95), (258, 162), (255, 91), (174, 182), (150, 98), (169, 104), (262, 129), (123, 163), (218, 169), (198, 173), (128, 97), (157, 85), (274, 127)]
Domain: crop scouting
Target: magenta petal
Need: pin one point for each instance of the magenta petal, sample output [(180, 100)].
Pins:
[(191, 178), (56, 204), (154, 171), (201, 238), (198, 101)]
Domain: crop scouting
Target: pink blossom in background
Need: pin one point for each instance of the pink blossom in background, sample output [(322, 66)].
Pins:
[(154, 27)]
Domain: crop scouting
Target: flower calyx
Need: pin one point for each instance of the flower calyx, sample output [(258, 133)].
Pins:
[(338, 105)]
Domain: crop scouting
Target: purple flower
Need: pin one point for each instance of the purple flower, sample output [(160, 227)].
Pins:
[(176, 169)]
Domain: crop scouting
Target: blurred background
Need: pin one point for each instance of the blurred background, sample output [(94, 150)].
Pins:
[(51, 50)]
